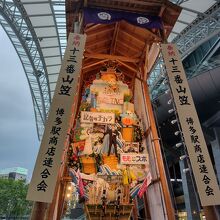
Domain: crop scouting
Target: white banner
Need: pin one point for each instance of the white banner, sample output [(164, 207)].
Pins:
[(196, 146), (97, 117), (48, 161), (116, 99), (126, 158)]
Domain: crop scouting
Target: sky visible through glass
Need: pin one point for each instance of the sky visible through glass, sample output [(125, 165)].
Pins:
[(18, 136)]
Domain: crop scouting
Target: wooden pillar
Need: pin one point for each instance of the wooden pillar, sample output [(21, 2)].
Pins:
[(167, 197), (163, 34), (135, 211), (61, 200), (52, 207), (39, 211), (210, 213), (146, 208)]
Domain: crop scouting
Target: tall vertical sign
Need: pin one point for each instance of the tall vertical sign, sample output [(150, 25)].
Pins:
[(203, 171), (48, 161)]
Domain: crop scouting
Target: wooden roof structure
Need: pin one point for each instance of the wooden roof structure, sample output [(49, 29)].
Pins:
[(128, 45)]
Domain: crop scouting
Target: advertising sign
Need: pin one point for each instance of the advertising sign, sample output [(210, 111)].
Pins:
[(116, 99), (97, 117), (126, 158)]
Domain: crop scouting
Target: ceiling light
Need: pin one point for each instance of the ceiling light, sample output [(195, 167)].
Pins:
[(186, 170), (177, 133), (167, 91), (179, 144), (183, 157), (173, 121), (171, 110), (169, 102)]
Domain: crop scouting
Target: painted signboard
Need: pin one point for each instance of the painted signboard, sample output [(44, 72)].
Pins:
[(203, 171), (131, 147), (48, 162), (116, 99), (97, 117), (126, 158)]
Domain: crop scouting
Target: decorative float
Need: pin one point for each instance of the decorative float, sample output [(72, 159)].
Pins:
[(106, 157), (112, 155)]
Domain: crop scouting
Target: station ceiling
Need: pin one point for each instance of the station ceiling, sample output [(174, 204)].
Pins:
[(45, 24)]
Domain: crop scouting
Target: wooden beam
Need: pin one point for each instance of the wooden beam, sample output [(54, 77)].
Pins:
[(111, 57), (130, 42), (132, 36), (138, 2), (163, 34), (210, 213), (129, 67), (167, 197), (99, 31), (153, 35), (163, 7), (135, 210), (114, 38), (146, 62), (91, 28), (143, 54), (146, 208), (133, 85), (61, 199), (139, 34), (130, 47), (127, 52), (39, 211), (94, 64), (66, 179), (96, 42), (127, 8), (52, 206), (153, 54)]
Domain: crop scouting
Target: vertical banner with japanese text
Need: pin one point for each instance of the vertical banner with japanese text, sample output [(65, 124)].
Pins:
[(202, 167), (48, 161)]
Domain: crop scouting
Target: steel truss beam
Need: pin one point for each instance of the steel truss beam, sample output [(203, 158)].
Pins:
[(202, 29), (18, 27), (19, 30), (207, 62)]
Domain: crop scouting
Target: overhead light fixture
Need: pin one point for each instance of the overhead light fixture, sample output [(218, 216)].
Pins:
[(183, 157), (171, 110), (179, 144), (169, 102), (165, 81), (186, 170), (177, 133), (173, 121), (167, 91)]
